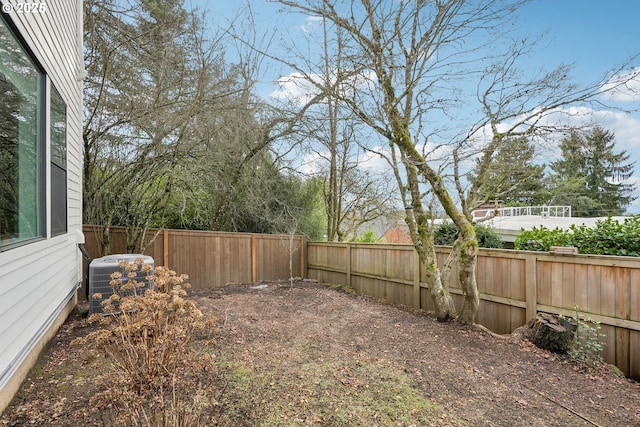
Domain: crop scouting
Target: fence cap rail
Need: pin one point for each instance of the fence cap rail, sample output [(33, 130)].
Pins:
[(572, 250)]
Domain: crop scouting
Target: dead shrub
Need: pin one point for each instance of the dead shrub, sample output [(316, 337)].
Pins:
[(154, 375)]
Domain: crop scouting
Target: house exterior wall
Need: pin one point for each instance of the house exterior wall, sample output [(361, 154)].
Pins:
[(38, 280)]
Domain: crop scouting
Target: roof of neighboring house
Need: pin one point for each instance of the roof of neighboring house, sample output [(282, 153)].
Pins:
[(397, 232)]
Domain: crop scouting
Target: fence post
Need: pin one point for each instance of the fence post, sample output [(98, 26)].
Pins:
[(165, 248), (348, 264), (303, 252), (417, 303), (531, 286), (253, 258)]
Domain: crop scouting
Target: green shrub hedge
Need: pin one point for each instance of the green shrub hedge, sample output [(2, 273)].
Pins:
[(608, 237), (446, 233)]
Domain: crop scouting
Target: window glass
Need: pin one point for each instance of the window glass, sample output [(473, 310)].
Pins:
[(58, 132), (21, 172)]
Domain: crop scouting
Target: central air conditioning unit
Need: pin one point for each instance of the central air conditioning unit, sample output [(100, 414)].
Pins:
[(100, 271)]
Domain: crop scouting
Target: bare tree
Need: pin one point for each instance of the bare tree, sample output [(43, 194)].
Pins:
[(399, 47), (353, 194), (514, 105), (151, 74), (413, 57)]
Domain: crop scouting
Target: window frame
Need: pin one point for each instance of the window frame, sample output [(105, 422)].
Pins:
[(41, 140), (55, 166)]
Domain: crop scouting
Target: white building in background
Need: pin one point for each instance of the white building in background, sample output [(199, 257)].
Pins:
[(508, 227), (509, 222), (41, 72)]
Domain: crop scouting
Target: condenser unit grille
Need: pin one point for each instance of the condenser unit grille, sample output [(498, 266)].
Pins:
[(100, 271)]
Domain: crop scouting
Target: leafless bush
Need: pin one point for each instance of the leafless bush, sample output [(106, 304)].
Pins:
[(155, 375)]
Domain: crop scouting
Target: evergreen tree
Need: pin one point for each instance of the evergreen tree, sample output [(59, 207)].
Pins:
[(513, 177), (591, 175)]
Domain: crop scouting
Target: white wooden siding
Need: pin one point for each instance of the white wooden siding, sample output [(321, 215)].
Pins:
[(38, 279)]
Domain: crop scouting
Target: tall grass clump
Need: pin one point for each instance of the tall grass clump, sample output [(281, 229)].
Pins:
[(153, 375)]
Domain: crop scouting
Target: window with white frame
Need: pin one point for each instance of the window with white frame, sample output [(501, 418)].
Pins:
[(22, 210)]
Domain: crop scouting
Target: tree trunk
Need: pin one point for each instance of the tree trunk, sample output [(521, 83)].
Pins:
[(468, 247), (468, 255), (466, 261), (105, 240), (439, 291), (422, 239)]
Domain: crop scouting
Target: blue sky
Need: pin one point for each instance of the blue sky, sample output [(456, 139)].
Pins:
[(592, 35)]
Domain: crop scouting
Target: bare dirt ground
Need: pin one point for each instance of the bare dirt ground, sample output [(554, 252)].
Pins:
[(308, 354)]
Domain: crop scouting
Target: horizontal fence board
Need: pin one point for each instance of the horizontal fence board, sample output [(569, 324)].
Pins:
[(326, 276), (513, 286)]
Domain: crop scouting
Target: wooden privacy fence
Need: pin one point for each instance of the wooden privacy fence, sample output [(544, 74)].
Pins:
[(513, 286), (213, 258)]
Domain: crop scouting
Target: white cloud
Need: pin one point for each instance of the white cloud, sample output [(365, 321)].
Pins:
[(316, 162), (374, 162), (296, 88), (625, 126), (313, 163), (310, 24), (624, 87), (300, 89)]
